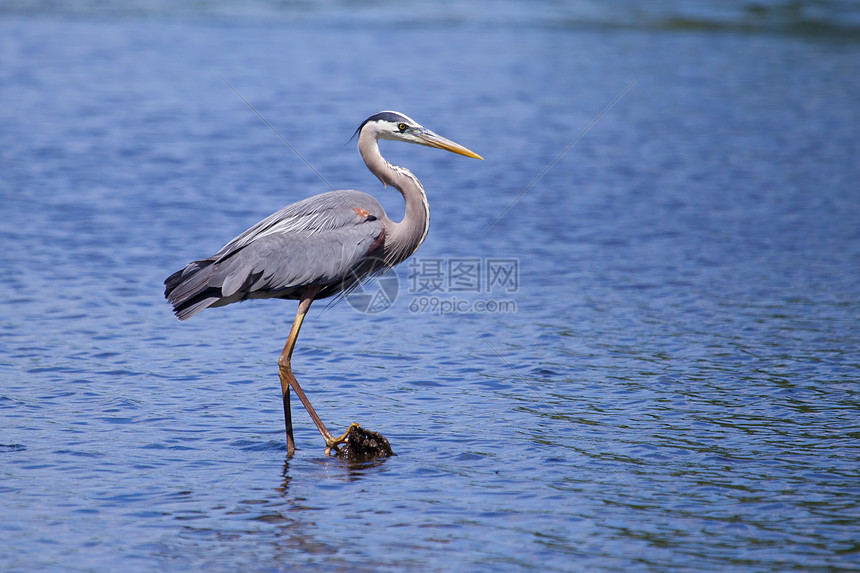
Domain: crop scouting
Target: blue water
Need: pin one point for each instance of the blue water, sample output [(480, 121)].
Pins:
[(673, 384)]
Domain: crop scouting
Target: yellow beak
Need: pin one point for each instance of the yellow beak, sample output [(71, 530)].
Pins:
[(431, 139)]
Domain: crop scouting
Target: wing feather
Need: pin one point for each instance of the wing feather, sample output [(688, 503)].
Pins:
[(324, 240)]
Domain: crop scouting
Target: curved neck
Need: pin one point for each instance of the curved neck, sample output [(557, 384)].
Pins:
[(403, 238)]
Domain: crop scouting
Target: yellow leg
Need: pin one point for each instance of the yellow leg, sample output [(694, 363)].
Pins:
[(288, 380)]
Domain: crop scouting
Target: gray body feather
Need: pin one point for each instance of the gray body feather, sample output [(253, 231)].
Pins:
[(331, 240)]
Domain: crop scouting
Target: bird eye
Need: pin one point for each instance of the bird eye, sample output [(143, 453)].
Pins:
[(402, 127)]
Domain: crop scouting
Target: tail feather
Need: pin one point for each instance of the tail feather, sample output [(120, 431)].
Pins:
[(189, 291)]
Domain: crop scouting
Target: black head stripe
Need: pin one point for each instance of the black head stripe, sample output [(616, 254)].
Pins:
[(391, 116)]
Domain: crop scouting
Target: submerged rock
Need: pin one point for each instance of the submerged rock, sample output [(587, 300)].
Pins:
[(363, 445)]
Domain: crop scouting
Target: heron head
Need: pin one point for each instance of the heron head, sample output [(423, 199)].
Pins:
[(398, 127)]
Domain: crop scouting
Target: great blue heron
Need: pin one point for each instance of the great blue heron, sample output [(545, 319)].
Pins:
[(316, 248)]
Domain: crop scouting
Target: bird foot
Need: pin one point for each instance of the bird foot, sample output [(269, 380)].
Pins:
[(332, 443)]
